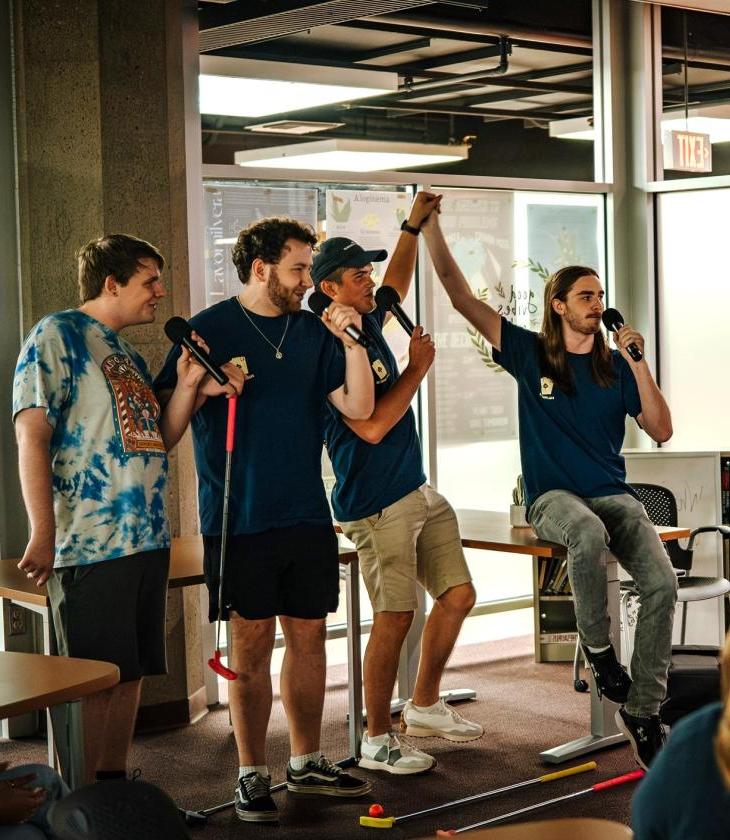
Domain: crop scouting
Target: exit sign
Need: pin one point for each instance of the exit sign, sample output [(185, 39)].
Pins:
[(687, 151)]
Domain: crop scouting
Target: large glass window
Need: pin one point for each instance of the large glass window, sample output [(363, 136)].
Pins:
[(506, 244)]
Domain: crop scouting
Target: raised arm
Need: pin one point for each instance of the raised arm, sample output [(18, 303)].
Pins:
[(479, 314), (355, 398), (655, 418), (399, 273), (394, 403), (33, 433)]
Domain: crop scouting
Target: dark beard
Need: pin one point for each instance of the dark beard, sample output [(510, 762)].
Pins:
[(282, 299)]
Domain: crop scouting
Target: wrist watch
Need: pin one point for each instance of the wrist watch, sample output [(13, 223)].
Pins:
[(409, 228)]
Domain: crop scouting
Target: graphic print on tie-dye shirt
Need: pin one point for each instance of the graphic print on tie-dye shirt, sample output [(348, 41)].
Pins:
[(107, 454)]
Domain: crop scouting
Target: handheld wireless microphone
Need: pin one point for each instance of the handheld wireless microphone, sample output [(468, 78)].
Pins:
[(318, 303), (388, 300), (613, 321), (179, 331)]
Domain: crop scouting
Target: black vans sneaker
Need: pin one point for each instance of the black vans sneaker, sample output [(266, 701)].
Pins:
[(646, 735), (253, 799), (610, 676), (325, 778)]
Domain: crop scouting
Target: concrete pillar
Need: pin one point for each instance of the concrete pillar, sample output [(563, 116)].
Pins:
[(107, 143)]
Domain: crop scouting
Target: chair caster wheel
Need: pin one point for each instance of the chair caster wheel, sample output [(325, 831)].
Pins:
[(580, 685)]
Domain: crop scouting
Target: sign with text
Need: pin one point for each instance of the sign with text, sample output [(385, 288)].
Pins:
[(687, 151)]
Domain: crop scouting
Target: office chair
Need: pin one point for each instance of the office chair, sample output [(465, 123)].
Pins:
[(661, 508), (117, 810)]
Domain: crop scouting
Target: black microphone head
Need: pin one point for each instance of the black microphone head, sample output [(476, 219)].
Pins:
[(318, 302), (177, 328), (385, 297), (612, 319)]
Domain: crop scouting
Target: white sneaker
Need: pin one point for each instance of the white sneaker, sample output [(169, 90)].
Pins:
[(394, 757), (440, 721)]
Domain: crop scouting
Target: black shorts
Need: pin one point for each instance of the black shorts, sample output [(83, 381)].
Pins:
[(114, 611), (284, 571)]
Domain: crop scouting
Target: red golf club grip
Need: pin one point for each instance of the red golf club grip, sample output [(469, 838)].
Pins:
[(216, 665), (231, 427), (619, 780)]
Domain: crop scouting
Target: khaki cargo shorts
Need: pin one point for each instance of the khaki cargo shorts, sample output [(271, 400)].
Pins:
[(416, 539)]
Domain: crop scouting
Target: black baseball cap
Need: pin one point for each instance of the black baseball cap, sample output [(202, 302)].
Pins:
[(341, 252)]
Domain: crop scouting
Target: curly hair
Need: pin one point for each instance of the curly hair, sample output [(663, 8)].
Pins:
[(117, 254), (266, 240)]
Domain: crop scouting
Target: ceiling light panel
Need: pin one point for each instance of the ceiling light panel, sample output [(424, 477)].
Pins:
[(351, 156), (239, 87)]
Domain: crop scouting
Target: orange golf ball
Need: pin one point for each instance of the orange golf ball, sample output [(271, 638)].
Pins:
[(376, 810)]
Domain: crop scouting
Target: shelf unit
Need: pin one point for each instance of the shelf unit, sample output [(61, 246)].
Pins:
[(555, 633)]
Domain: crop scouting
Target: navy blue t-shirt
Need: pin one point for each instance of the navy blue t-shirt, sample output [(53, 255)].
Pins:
[(683, 796), (569, 442), (373, 476), (276, 473)]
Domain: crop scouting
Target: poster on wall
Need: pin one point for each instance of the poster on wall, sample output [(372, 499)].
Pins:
[(372, 218), (229, 207), (558, 235), (475, 397)]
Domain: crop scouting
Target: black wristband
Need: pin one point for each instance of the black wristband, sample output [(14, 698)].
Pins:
[(409, 228)]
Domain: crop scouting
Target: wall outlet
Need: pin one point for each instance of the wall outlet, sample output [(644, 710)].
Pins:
[(18, 624)]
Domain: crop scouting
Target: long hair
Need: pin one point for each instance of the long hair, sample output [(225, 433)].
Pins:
[(551, 348), (722, 738)]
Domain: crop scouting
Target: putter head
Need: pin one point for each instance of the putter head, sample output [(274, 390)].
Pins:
[(216, 665), (377, 822), (446, 833)]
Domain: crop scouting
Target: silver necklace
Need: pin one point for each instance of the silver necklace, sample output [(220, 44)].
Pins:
[(277, 347)]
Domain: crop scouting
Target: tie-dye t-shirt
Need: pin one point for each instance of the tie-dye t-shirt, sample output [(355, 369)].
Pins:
[(108, 459)]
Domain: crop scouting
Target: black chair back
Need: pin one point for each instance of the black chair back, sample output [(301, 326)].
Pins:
[(117, 810), (661, 508)]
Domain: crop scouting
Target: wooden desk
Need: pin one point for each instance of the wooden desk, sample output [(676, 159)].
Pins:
[(32, 681)]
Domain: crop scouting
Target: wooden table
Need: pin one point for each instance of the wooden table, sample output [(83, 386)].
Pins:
[(32, 681)]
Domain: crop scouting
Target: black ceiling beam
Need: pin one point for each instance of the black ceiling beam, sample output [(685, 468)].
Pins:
[(524, 43), (509, 85), (426, 108), (544, 73), (456, 58), (391, 49)]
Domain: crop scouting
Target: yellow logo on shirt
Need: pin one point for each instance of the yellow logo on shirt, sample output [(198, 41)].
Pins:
[(241, 363), (546, 388), (380, 370)]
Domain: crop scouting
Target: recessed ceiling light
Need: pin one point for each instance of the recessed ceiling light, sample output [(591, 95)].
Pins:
[(293, 127)]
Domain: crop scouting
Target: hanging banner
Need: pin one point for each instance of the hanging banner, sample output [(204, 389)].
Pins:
[(476, 399)]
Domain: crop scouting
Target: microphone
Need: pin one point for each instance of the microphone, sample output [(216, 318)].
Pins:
[(388, 300), (318, 303), (613, 321), (179, 331)]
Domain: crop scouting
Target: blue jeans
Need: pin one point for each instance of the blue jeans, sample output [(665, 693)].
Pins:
[(589, 529), (36, 828)]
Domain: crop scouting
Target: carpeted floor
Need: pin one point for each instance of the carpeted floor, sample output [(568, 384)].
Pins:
[(523, 707)]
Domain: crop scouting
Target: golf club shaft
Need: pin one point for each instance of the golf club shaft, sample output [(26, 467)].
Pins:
[(230, 439), (635, 775), (478, 797)]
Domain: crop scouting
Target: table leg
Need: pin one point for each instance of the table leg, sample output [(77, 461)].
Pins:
[(604, 732), (354, 658), (68, 728)]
